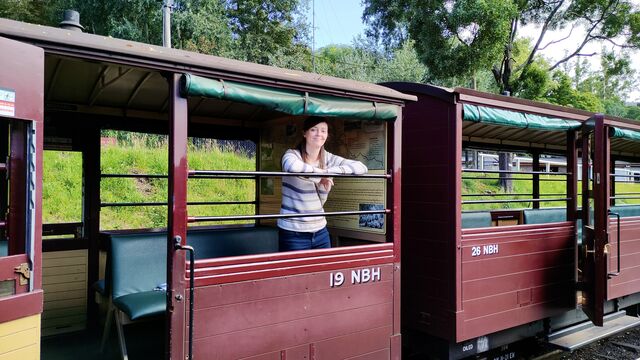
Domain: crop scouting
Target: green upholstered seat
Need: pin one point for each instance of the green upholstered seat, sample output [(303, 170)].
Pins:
[(543, 216), (626, 210), (476, 220), (233, 242), (4, 247), (142, 304), (138, 263)]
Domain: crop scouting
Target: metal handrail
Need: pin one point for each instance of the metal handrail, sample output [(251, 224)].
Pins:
[(282, 216), (623, 175), (253, 174), (515, 172), (527, 194), (512, 179), (512, 201), (3, 224), (188, 203), (624, 197), (148, 176)]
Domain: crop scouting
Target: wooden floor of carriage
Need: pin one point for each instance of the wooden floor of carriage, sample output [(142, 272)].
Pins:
[(144, 341)]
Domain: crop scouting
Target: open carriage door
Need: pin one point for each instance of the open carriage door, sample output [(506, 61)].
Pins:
[(21, 123), (595, 207)]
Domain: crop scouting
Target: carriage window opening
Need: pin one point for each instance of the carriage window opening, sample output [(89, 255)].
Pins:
[(510, 187), (133, 187), (625, 188), (207, 196), (62, 194)]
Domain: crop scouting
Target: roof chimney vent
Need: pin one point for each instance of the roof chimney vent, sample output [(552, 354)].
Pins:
[(71, 21)]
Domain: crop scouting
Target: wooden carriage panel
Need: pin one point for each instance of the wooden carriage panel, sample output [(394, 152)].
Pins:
[(628, 282), (429, 212), (515, 275), (296, 315)]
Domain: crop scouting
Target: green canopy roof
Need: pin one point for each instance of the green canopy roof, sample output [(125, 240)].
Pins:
[(488, 115), (287, 101), (615, 132)]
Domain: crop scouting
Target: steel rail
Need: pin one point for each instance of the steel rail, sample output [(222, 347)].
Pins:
[(189, 203), (515, 172), (512, 179), (251, 174), (468, 202), (510, 194), (282, 216)]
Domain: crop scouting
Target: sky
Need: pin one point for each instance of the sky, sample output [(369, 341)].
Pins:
[(339, 21)]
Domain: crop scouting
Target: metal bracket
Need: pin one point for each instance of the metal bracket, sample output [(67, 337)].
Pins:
[(25, 273)]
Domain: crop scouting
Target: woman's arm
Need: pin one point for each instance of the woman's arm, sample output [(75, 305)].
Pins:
[(339, 165), (292, 162)]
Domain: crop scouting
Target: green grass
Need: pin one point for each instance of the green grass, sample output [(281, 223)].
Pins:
[(62, 186)]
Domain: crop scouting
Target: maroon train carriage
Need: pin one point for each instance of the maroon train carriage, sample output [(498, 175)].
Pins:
[(484, 270), (248, 300)]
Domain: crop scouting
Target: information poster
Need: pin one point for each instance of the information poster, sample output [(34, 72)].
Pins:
[(360, 140)]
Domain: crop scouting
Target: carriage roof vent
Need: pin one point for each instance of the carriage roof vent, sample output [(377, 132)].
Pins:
[(71, 21)]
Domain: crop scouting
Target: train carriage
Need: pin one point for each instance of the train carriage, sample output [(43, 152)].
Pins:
[(229, 292), (484, 269)]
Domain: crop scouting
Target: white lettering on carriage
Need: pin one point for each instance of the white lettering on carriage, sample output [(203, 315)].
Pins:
[(358, 276), (484, 250)]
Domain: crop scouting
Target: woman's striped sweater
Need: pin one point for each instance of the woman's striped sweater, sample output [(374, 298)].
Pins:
[(302, 195)]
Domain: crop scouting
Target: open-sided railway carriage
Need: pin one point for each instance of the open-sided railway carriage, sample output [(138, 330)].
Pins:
[(485, 269), (240, 298)]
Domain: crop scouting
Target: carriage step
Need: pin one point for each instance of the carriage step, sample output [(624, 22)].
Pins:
[(577, 336)]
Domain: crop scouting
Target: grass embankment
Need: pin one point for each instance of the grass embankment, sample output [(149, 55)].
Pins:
[(553, 189), (62, 187)]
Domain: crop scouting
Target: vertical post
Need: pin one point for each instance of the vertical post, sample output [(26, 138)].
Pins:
[(91, 212), (177, 217), (394, 153), (166, 23), (4, 183), (535, 186), (612, 185), (572, 169), (586, 194)]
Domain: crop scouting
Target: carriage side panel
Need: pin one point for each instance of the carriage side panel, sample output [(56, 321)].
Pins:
[(429, 211), (514, 275), (628, 282), (308, 310)]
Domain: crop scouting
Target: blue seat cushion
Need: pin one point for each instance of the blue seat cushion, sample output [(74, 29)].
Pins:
[(4, 247), (626, 210), (543, 216), (476, 220), (142, 304)]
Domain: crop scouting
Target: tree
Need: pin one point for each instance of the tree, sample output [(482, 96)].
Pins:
[(262, 28), (464, 36)]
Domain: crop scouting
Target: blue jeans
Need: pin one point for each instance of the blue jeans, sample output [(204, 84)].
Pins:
[(294, 240)]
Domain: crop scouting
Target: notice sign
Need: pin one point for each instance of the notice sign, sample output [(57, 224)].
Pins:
[(7, 102)]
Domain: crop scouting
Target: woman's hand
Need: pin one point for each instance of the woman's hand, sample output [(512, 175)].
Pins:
[(327, 183)]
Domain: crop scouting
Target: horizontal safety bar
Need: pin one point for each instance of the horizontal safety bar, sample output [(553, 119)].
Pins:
[(3, 224), (515, 172), (624, 197), (189, 203), (624, 175), (3, 166), (147, 176), (252, 174), (511, 179), (527, 194), (282, 216), (467, 202)]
